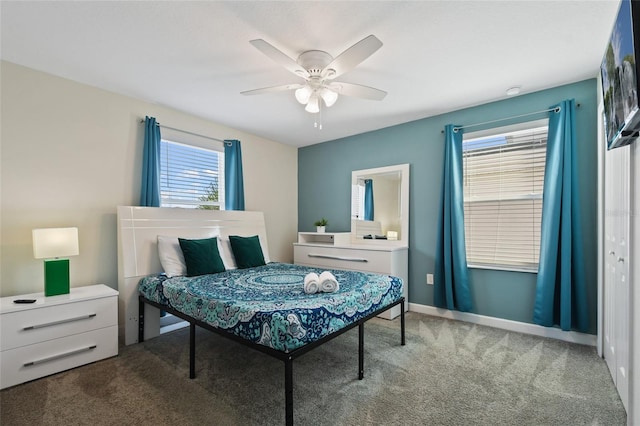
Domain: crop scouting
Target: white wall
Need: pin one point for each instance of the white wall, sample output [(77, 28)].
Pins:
[(71, 153)]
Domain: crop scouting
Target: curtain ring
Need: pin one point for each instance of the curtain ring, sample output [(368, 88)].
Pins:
[(557, 109)]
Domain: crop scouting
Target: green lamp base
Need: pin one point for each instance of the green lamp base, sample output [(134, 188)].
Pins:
[(56, 277)]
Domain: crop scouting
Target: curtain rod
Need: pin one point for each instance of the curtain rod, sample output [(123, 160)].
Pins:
[(187, 132), (555, 109)]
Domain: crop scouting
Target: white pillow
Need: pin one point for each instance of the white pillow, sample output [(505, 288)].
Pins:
[(224, 247), (265, 251), (171, 257)]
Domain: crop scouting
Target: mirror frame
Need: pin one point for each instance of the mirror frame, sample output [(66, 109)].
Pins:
[(403, 169)]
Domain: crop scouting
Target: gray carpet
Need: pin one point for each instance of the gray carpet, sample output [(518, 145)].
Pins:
[(449, 373)]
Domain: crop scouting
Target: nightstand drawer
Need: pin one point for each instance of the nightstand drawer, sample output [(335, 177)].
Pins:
[(343, 258), (51, 322), (42, 359)]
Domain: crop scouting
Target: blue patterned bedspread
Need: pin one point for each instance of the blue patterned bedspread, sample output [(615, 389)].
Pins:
[(267, 304)]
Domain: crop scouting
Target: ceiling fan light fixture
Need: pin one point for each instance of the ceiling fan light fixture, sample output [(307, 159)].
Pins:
[(303, 94), (313, 105), (328, 96), (318, 69)]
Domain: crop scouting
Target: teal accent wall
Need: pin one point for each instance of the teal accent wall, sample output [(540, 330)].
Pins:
[(324, 179)]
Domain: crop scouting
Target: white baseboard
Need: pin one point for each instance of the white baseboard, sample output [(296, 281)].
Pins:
[(520, 327)]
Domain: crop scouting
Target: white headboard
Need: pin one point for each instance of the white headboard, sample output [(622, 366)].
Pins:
[(138, 230)]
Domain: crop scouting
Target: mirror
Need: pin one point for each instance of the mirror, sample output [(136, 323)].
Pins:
[(380, 205)]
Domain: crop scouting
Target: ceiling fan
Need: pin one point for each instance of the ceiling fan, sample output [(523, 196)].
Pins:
[(319, 69)]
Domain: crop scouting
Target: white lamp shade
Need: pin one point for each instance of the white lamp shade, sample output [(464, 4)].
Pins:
[(55, 242), (303, 94), (313, 106), (329, 97)]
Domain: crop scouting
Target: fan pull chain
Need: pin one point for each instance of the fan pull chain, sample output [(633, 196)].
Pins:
[(315, 123)]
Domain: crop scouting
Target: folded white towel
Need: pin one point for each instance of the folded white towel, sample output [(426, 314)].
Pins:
[(311, 283), (328, 282)]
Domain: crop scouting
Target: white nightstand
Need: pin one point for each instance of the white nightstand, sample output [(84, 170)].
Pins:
[(56, 333)]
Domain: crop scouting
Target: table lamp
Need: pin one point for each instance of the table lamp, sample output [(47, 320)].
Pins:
[(51, 244)]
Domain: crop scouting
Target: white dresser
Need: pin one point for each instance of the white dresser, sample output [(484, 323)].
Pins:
[(335, 251), (56, 333)]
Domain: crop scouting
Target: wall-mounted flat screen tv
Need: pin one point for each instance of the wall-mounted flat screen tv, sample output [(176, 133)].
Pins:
[(619, 72)]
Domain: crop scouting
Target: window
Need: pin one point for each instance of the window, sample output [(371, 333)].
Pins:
[(357, 200), (191, 176), (503, 185)]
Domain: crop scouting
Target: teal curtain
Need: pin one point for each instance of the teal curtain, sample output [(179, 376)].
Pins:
[(150, 190), (451, 285), (561, 297), (368, 199), (233, 181)]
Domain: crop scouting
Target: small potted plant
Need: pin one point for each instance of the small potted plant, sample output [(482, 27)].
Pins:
[(320, 225)]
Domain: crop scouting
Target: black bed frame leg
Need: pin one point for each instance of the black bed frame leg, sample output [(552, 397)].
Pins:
[(288, 390), (402, 339), (192, 350), (360, 351), (140, 321)]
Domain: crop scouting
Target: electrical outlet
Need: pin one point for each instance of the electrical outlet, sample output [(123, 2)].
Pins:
[(430, 279)]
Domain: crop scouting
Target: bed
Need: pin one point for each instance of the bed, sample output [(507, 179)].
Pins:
[(263, 307)]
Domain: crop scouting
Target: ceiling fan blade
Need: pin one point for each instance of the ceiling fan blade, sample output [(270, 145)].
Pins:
[(272, 89), (279, 57), (351, 57), (357, 91)]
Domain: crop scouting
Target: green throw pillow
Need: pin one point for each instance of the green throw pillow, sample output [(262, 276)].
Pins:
[(201, 256), (247, 251)]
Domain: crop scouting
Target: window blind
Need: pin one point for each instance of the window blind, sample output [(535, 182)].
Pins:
[(503, 187), (357, 200), (191, 176)]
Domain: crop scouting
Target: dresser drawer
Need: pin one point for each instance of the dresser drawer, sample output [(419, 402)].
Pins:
[(343, 258), (51, 322), (42, 359)]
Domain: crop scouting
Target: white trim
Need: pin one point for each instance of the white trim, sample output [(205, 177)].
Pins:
[(516, 326), (190, 139), (601, 140), (503, 268), (499, 131)]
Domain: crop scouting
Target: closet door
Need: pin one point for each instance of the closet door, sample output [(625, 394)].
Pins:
[(610, 264), (617, 315), (633, 412), (609, 296)]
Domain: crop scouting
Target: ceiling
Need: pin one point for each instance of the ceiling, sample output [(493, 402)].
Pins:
[(438, 56)]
